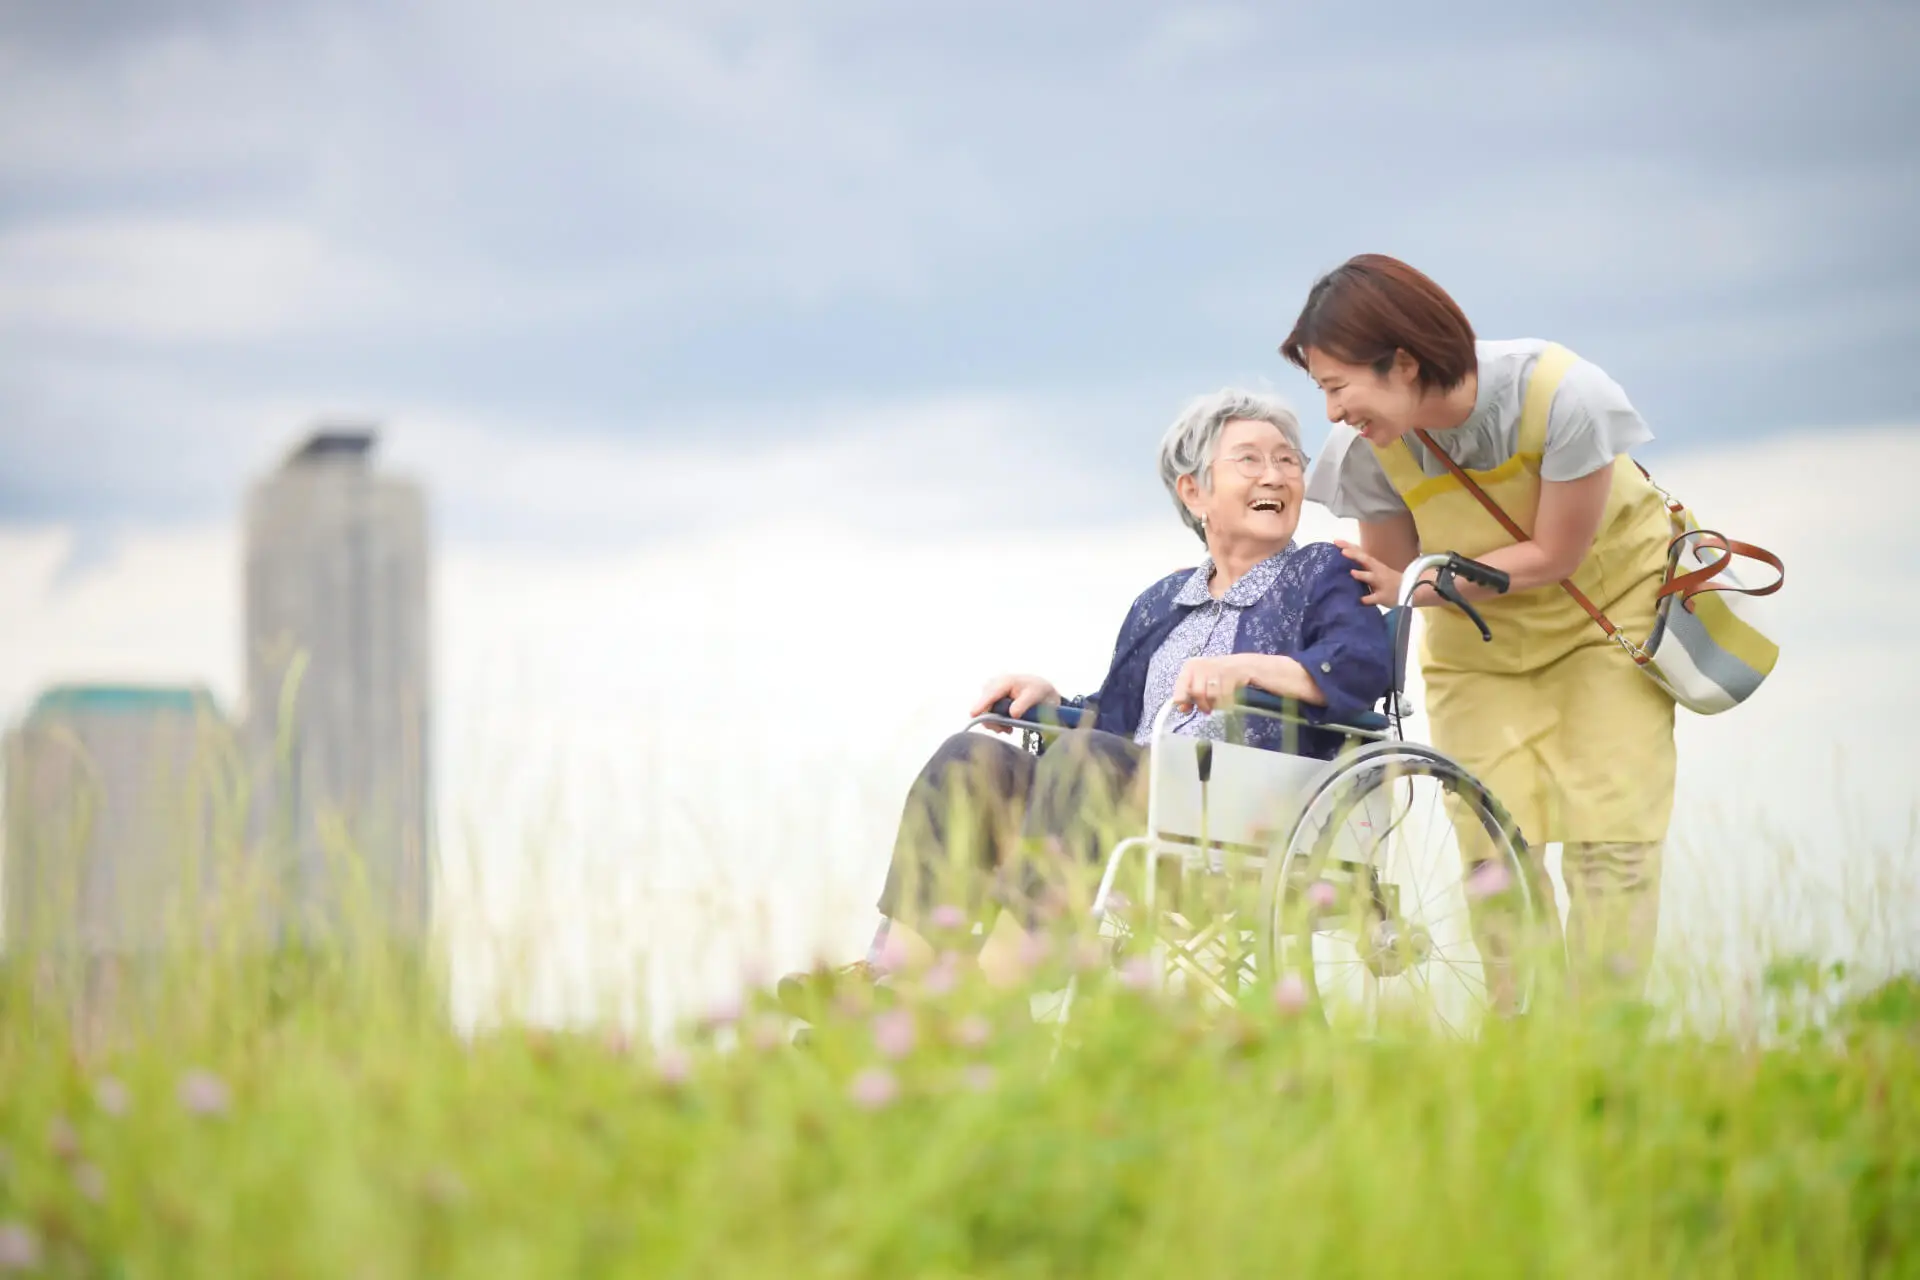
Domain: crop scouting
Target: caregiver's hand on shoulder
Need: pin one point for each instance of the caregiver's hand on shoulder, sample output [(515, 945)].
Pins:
[(1027, 692), (1381, 579)]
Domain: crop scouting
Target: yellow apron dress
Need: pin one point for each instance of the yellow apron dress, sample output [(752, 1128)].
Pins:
[(1572, 738)]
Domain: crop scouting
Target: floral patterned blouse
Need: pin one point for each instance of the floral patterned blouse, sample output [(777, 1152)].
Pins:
[(1208, 632)]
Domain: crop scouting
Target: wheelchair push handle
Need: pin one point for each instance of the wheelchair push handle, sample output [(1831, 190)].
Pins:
[(1448, 566), (1481, 575)]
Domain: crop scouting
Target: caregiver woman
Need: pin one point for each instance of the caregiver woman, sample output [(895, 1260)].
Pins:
[(1573, 739)]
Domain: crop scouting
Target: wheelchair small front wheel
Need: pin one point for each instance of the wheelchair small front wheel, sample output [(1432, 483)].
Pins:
[(1404, 891)]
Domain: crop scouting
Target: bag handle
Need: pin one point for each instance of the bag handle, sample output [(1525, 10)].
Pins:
[(1519, 535), (1689, 585)]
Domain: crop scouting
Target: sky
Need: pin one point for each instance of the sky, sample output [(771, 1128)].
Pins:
[(679, 307), (587, 225)]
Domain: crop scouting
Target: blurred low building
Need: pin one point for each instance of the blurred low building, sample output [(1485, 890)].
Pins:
[(338, 681), (116, 796)]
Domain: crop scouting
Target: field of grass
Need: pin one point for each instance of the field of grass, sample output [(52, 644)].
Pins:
[(239, 1124)]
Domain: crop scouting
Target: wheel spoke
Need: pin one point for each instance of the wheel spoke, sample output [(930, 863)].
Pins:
[(1433, 1002), (1414, 855)]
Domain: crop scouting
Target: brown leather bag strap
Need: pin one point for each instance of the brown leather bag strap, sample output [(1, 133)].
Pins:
[(1689, 585), (1761, 554), (1519, 535)]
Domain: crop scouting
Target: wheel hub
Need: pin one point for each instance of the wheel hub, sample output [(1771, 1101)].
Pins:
[(1394, 946)]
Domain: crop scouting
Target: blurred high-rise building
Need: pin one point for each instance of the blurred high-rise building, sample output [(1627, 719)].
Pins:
[(118, 799), (338, 686)]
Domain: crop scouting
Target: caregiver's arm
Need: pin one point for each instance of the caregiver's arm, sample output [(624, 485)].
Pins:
[(1564, 528)]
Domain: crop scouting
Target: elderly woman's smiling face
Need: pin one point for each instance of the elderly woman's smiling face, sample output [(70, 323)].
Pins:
[(1258, 483)]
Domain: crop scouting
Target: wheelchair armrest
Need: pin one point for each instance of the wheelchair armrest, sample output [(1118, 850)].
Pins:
[(1365, 721), (1064, 716), (1067, 717)]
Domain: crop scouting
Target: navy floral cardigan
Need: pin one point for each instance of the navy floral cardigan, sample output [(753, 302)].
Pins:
[(1311, 613)]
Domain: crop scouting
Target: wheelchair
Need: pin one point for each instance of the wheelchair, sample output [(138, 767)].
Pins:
[(1305, 873)]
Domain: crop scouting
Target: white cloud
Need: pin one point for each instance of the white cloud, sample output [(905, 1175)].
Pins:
[(220, 223), (1729, 343), (871, 463), (174, 282), (682, 154), (181, 281), (308, 169), (179, 102), (164, 610), (939, 461), (1201, 35)]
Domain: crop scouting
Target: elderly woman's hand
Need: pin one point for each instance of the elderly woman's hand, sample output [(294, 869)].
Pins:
[(1210, 683), (1027, 692)]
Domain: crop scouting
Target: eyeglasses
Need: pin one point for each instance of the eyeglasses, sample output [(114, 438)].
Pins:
[(1254, 465)]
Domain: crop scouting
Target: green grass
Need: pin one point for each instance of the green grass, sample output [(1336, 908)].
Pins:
[(242, 1123)]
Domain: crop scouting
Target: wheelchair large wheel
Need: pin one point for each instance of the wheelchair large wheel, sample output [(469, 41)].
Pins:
[(1405, 892)]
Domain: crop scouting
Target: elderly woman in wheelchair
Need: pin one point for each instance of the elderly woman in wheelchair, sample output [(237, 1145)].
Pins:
[(1229, 716)]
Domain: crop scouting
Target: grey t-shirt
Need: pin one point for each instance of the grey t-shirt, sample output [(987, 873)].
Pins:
[(1589, 424)]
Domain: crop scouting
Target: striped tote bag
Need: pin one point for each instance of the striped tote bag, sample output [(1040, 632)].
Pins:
[(1707, 647)]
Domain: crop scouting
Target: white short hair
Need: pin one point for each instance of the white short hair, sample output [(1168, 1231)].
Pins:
[(1187, 448)]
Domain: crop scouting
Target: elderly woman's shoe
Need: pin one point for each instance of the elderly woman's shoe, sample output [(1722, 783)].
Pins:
[(804, 995)]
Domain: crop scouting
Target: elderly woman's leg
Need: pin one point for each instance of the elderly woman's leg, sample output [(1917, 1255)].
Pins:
[(1088, 792), (962, 816)]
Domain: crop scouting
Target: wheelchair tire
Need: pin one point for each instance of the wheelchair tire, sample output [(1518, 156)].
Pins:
[(1386, 944)]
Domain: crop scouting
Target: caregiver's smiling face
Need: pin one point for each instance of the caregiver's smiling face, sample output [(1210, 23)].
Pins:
[(1380, 406)]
